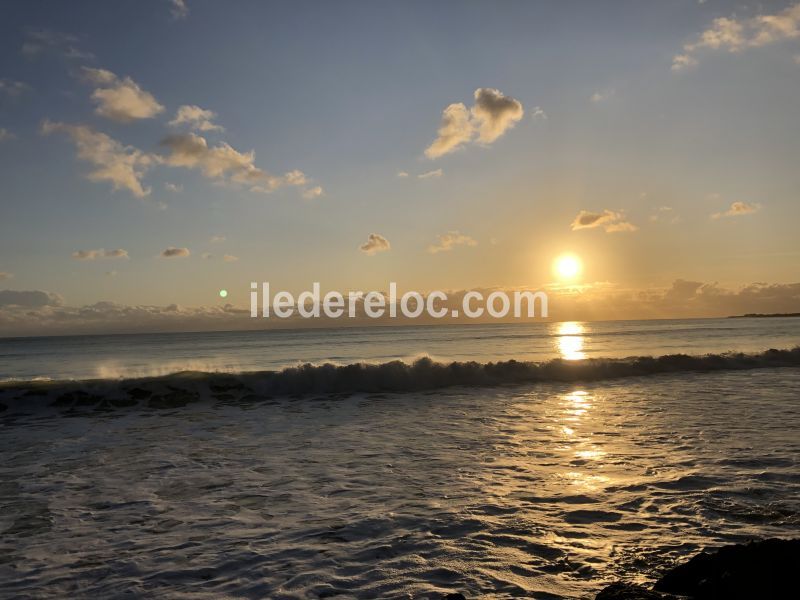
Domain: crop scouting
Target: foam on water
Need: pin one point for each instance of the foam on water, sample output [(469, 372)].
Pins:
[(546, 489)]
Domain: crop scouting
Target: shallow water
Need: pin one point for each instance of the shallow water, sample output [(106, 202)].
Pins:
[(545, 490)]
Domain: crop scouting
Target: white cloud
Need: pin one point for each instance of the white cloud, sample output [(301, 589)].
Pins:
[(601, 96), (123, 166), (610, 221), (314, 192), (215, 239), (173, 252), (429, 174), (230, 258), (206, 256), (735, 35), (538, 114), (198, 119), (99, 253), (224, 163), (456, 129), (402, 174), (490, 117), (738, 209), (179, 9), (375, 243), (6, 135), (448, 241), (173, 187), (118, 99)]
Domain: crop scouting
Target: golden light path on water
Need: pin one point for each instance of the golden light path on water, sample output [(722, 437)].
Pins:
[(570, 339)]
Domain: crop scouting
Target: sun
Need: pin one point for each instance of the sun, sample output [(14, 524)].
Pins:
[(567, 267)]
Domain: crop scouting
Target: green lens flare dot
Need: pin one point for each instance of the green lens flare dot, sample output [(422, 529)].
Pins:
[(223, 293)]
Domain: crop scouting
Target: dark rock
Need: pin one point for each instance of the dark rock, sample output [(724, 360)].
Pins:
[(764, 569)]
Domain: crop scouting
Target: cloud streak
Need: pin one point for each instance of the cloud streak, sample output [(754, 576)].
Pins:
[(173, 252), (738, 209), (610, 221), (447, 241), (735, 35), (99, 253), (122, 166), (222, 162), (198, 119), (120, 100)]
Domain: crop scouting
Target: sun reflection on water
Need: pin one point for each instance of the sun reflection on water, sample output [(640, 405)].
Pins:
[(569, 340)]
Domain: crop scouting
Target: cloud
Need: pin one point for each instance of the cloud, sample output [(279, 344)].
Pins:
[(665, 213), (46, 41), (314, 192), (224, 163), (13, 89), (28, 299), (118, 99), (738, 209), (429, 174), (198, 119), (490, 117), (375, 243), (601, 96), (230, 258), (455, 130), (43, 313), (206, 256), (402, 174), (179, 9), (494, 113), (538, 114), (173, 252), (609, 220), (6, 135), (448, 241), (735, 35), (173, 187), (5, 275), (99, 253), (122, 166), (215, 239)]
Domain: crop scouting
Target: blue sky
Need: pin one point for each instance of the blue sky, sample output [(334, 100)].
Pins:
[(352, 93)]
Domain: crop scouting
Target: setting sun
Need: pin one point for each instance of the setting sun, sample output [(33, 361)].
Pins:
[(567, 266)]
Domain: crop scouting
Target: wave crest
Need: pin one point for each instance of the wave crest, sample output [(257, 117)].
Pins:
[(178, 389)]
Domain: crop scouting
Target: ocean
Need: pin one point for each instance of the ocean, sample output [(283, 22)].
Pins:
[(536, 460)]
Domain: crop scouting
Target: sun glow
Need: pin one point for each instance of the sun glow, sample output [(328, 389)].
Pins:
[(567, 267)]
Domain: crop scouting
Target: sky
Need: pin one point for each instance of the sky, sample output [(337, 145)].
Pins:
[(154, 152)]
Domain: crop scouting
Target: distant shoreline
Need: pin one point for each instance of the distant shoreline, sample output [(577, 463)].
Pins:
[(763, 316)]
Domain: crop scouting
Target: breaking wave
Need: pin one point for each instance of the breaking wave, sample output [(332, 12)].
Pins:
[(178, 389)]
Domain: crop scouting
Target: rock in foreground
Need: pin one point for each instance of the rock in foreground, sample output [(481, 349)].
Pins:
[(765, 569)]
